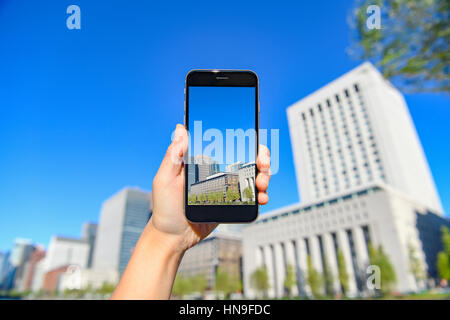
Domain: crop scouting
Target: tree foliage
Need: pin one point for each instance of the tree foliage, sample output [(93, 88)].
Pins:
[(412, 46), (343, 274), (227, 283), (388, 277), (443, 258), (314, 279), (182, 286), (415, 264), (232, 195), (248, 193), (290, 281), (259, 280)]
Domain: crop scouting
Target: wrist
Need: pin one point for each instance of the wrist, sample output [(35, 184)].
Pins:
[(171, 244)]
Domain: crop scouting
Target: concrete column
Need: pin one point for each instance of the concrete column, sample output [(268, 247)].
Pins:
[(290, 257), (361, 248), (269, 268), (303, 266), (258, 257), (345, 248), (331, 254), (280, 270), (315, 253)]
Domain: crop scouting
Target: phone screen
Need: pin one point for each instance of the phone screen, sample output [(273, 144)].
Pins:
[(221, 166)]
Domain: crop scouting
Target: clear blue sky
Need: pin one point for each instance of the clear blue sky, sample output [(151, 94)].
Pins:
[(220, 109), (86, 112)]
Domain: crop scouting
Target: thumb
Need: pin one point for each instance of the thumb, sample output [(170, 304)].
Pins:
[(173, 160)]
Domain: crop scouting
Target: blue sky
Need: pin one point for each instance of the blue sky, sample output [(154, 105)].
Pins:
[(86, 112), (220, 109)]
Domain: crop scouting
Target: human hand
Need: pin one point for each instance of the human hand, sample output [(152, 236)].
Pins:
[(168, 194)]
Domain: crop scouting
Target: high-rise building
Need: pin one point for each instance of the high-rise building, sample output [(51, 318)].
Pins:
[(88, 233), (206, 167), (234, 167), (355, 131), (30, 267), (363, 181), (19, 256), (6, 271), (122, 220), (192, 172), (63, 251)]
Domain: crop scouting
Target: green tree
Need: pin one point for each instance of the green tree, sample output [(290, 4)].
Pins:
[(248, 193), (415, 265), (443, 258), (314, 279), (106, 289), (232, 195), (222, 280), (290, 280), (219, 196), (199, 283), (412, 46), (202, 197), (259, 280), (227, 283), (388, 277), (182, 286), (343, 274)]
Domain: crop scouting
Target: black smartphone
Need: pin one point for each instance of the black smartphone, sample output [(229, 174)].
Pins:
[(221, 116)]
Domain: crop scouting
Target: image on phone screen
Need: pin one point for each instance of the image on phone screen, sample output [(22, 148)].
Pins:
[(221, 167)]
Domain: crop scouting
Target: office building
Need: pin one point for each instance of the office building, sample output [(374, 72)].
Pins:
[(355, 131), (218, 250), (219, 182), (122, 220), (363, 179), (30, 267), (247, 181), (19, 256), (192, 172), (206, 167), (89, 233), (64, 251), (234, 167)]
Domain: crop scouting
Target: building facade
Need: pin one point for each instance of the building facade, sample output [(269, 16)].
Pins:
[(64, 251), (219, 250), (220, 182), (247, 180), (30, 267), (378, 215), (89, 233), (234, 167), (363, 179), (122, 220), (355, 131)]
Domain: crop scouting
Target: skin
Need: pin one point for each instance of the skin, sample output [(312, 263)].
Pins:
[(154, 263)]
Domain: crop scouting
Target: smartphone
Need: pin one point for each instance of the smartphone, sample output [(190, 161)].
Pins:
[(221, 116)]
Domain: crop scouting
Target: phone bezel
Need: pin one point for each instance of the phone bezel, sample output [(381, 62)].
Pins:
[(221, 213)]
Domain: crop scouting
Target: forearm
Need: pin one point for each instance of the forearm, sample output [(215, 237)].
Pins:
[(152, 268)]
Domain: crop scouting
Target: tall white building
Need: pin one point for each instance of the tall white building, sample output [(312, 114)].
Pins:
[(355, 131), (363, 179), (64, 251), (122, 220)]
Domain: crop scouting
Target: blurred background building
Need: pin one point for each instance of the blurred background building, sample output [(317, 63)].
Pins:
[(220, 250), (122, 220), (363, 179)]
